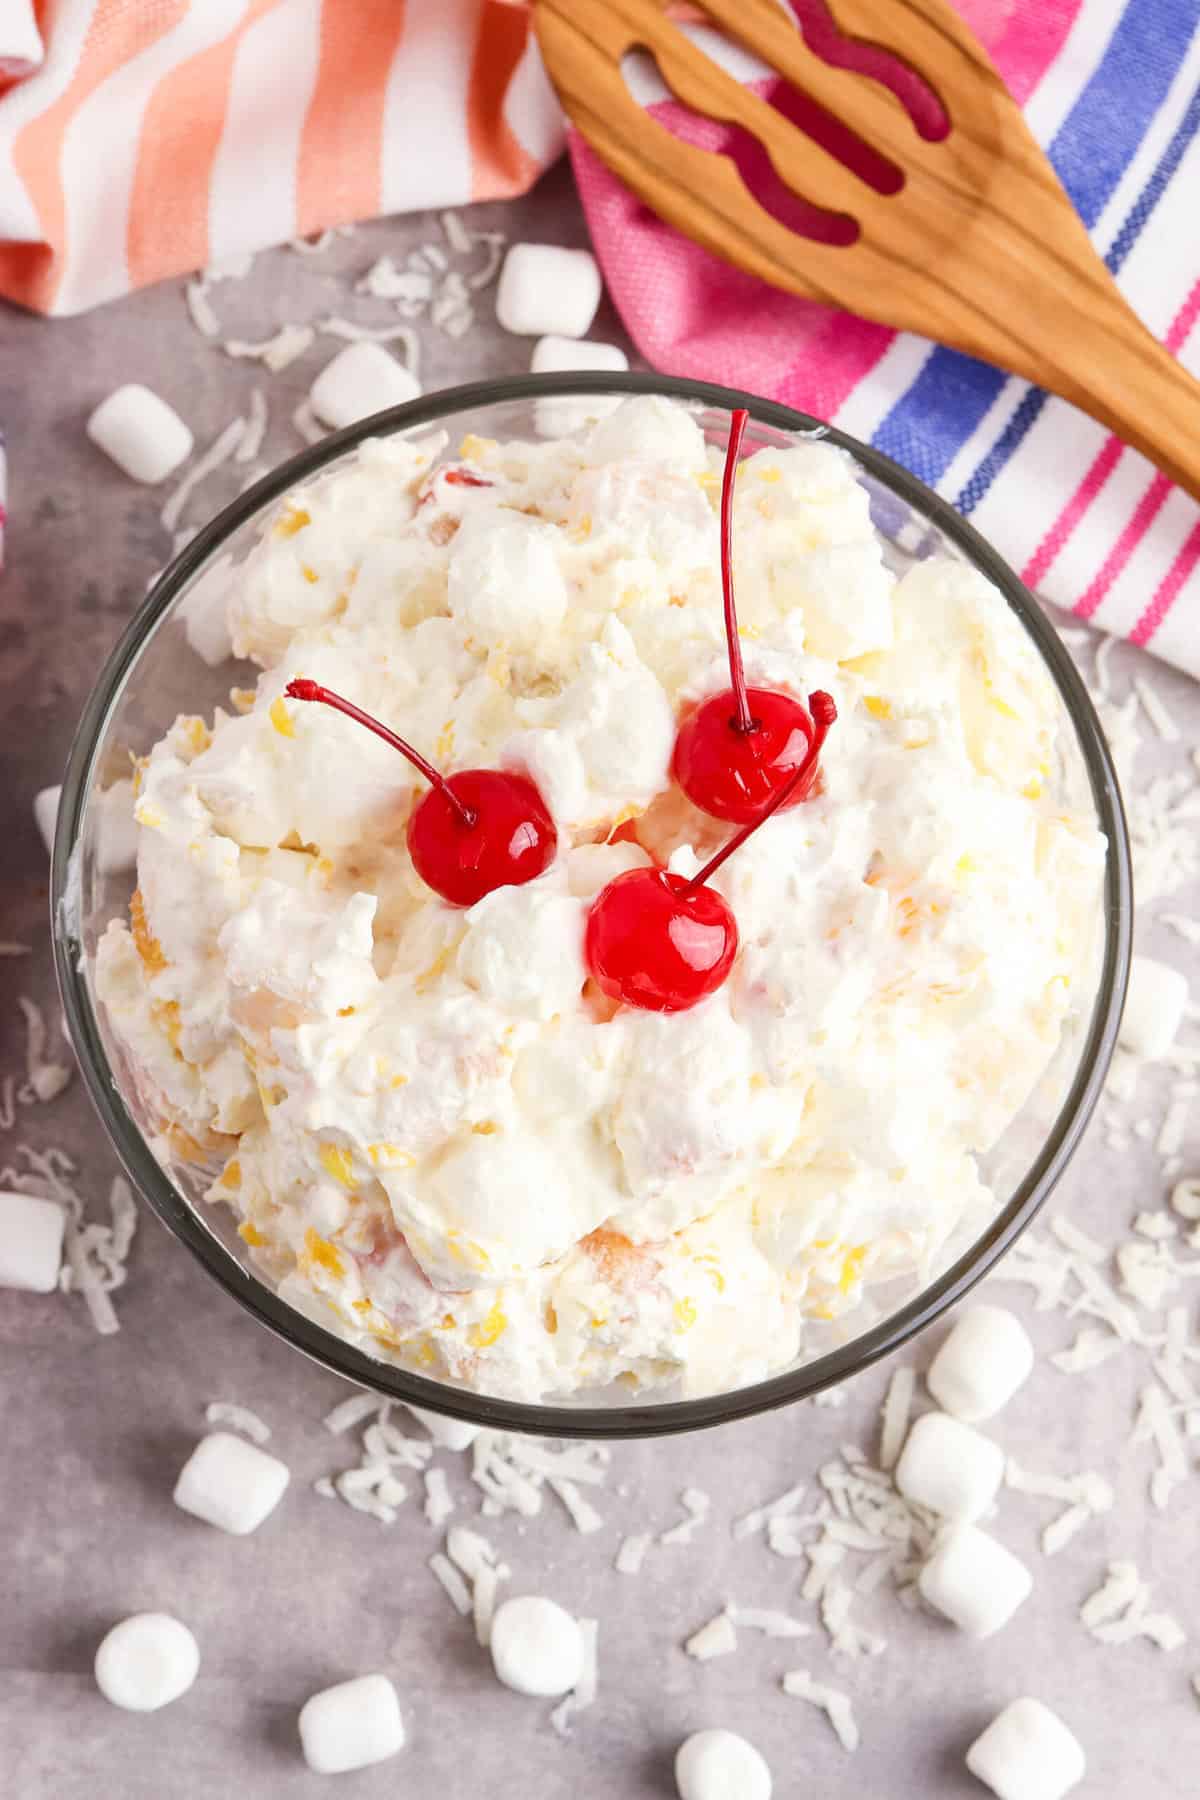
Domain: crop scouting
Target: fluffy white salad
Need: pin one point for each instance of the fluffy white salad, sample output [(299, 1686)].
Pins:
[(437, 1138)]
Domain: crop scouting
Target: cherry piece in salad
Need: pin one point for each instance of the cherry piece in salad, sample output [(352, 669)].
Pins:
[(652, 943), (664, 943), (474, 831), (735, 751)]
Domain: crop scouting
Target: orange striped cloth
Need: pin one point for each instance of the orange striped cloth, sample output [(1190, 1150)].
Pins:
[(147, 138)]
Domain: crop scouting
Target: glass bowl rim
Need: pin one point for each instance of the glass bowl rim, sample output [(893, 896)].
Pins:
[(648, 1420)]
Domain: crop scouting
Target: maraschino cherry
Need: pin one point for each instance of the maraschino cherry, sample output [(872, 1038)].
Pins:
[(473, 831), (734, 753), (663, 943)]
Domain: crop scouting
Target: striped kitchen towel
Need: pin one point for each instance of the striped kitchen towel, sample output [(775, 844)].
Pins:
[(144, 138), (1113, 94)]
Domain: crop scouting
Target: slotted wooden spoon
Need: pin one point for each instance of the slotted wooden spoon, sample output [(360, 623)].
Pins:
[(980, 248)]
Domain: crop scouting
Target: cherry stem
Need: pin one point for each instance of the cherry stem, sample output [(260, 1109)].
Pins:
[(304, 689), (824, 712), (742, 719)]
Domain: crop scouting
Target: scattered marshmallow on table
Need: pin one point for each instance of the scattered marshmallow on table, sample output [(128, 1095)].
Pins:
[(31, 1240), (1027, 1753), (537, 1647), (45, 812), (362, 379), (546, 291), (949, 1467), (230, 1483), (974, 1581), (146, 1661), (566, 356), (981, 1364), (559, 415), (1154, 1007), (720, 1765), (116, 832), (351, 1726), (140, 433), (447, 1433)]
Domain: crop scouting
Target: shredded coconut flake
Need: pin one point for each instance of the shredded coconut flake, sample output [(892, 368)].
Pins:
[(349, 1413), (1118, 1611), (768, 1621), (256, 429), (582, 1513), (46, 1078), (717, 1638), (1185, 1198), (95, 1254), (1155, 710), (452, 1582), (438, 1501), (217, 453), (897, 1407), (201, 309), (1079, 1242), (458, 237), (1156, 1424), (584, 1692), (632, 1553), (696, 1504), (238, 1418), (277, 352), (752, 1522), (833, 1703), (1090, 1349)]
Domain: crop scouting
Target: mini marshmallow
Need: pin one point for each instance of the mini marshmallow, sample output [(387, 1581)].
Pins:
[(1154, 1007), (537, 1648), (362, 379), (230, 1483), (146, 1661), (205, 613), (981, 1364), (545, 290), (141, 433), (351, 1726), (1027, 1753), (565, 356), (974, 1581), (949, 1467), (116, 828), (447, 1434), (560, 415), (45, 812), (31, 1240), (717, 1765)]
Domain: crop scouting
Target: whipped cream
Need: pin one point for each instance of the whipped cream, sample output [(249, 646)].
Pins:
[(436, 1141)]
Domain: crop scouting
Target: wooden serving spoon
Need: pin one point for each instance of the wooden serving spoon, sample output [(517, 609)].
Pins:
[(979, 248)]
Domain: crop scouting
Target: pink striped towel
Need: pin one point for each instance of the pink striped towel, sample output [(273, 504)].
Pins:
[(143, 138)]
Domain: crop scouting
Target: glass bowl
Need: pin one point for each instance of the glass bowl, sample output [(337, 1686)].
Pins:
[(153, 674)]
